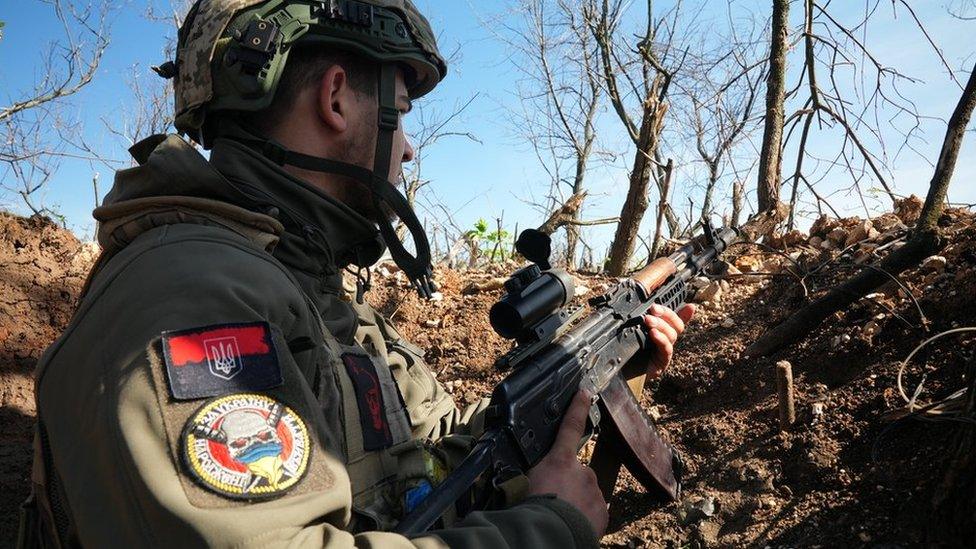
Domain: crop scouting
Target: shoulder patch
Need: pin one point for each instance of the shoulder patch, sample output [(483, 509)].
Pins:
[(246, 446), (221, 359), (369, 399)]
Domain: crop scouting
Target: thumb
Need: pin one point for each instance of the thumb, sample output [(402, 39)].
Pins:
[(573, 427)]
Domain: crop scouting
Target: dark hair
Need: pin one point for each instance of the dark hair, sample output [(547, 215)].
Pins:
[(306, 66)]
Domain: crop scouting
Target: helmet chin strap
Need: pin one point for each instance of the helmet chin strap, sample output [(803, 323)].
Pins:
[(416, 267)]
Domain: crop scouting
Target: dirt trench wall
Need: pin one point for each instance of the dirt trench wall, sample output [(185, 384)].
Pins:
[(42, 269)]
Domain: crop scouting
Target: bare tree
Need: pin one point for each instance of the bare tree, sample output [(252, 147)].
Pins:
[(560, 95), (643, 71), (37, 135), (770, 155), (719, 94), (149, 109), (430, 126), (923, 241), (851, 92)]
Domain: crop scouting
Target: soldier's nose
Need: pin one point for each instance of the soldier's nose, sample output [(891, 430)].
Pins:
[(408, 152)]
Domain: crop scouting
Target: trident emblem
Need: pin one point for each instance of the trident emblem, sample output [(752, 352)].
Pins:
[(224, 357)]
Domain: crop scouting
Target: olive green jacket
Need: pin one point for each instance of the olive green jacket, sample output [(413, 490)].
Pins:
[(189, 244)]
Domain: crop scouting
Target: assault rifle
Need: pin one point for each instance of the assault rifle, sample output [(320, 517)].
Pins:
[(560, 351)]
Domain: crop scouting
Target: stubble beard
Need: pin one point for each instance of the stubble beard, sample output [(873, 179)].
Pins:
[(357, 194)]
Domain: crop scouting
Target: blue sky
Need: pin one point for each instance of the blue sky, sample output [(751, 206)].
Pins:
[(485, 179)]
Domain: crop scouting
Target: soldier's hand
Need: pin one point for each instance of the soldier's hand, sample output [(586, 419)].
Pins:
[(562, 474), (664, 327)]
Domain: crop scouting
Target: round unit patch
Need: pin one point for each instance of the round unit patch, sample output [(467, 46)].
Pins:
[(246, 446)]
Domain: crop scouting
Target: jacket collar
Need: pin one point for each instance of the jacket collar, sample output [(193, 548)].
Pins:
[(320, 235)]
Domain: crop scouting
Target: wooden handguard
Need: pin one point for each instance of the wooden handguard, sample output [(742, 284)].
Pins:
[(655, 274)]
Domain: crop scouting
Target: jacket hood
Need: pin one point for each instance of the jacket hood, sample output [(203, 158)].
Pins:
[(242, 190)]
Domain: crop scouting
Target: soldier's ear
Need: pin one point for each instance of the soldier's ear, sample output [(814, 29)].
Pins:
[(335, 99)]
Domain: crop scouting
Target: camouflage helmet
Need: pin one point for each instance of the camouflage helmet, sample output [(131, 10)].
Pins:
[(231, 53)]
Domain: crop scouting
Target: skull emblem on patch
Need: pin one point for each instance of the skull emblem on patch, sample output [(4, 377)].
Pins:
[(246, 446)]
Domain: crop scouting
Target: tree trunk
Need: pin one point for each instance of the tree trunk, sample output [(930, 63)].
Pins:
[(923, 242), (770, 155), (572, 229), (564, 215), (636, 204), (738, 196), (706, 209)]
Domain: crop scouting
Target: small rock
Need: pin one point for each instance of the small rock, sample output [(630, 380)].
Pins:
[(486, 286), (935, 263), (909, 209), (730, 270), (793, 238), (823, 225), (864, 231), (437, 296), (712, 292), (818, 410), (871, 329), (886, 222), (839, 341), (698, 509), (838, 236), (728, 323), (435, 323), (749, 264), (699, 282), (815, 241), (708, 533), (864, 536), (655, 413)]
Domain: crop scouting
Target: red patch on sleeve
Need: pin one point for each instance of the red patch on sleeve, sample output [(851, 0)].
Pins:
[(220, 360), (191, 348)]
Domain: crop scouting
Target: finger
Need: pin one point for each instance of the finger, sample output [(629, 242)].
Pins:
[(666, 350), (686, 312), (655, 323), (669, 316), (573, 427)]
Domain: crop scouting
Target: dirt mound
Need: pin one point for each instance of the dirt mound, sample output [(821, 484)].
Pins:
[(844, 475), (42, 269)]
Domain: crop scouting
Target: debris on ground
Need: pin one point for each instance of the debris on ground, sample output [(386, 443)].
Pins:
[(843, 475)]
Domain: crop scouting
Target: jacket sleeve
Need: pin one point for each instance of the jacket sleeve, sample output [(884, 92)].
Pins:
[(118, 434)]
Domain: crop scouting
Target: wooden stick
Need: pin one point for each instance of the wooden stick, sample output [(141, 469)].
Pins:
[(784, 382)]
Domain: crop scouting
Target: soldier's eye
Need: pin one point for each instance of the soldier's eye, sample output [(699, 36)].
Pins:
[(238, 443), (265, 436)]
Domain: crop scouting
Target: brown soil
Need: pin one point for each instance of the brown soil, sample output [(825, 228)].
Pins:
[(844, 477), (42, 269)]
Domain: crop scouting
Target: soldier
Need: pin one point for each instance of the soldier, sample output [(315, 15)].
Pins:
[(217, 385)]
